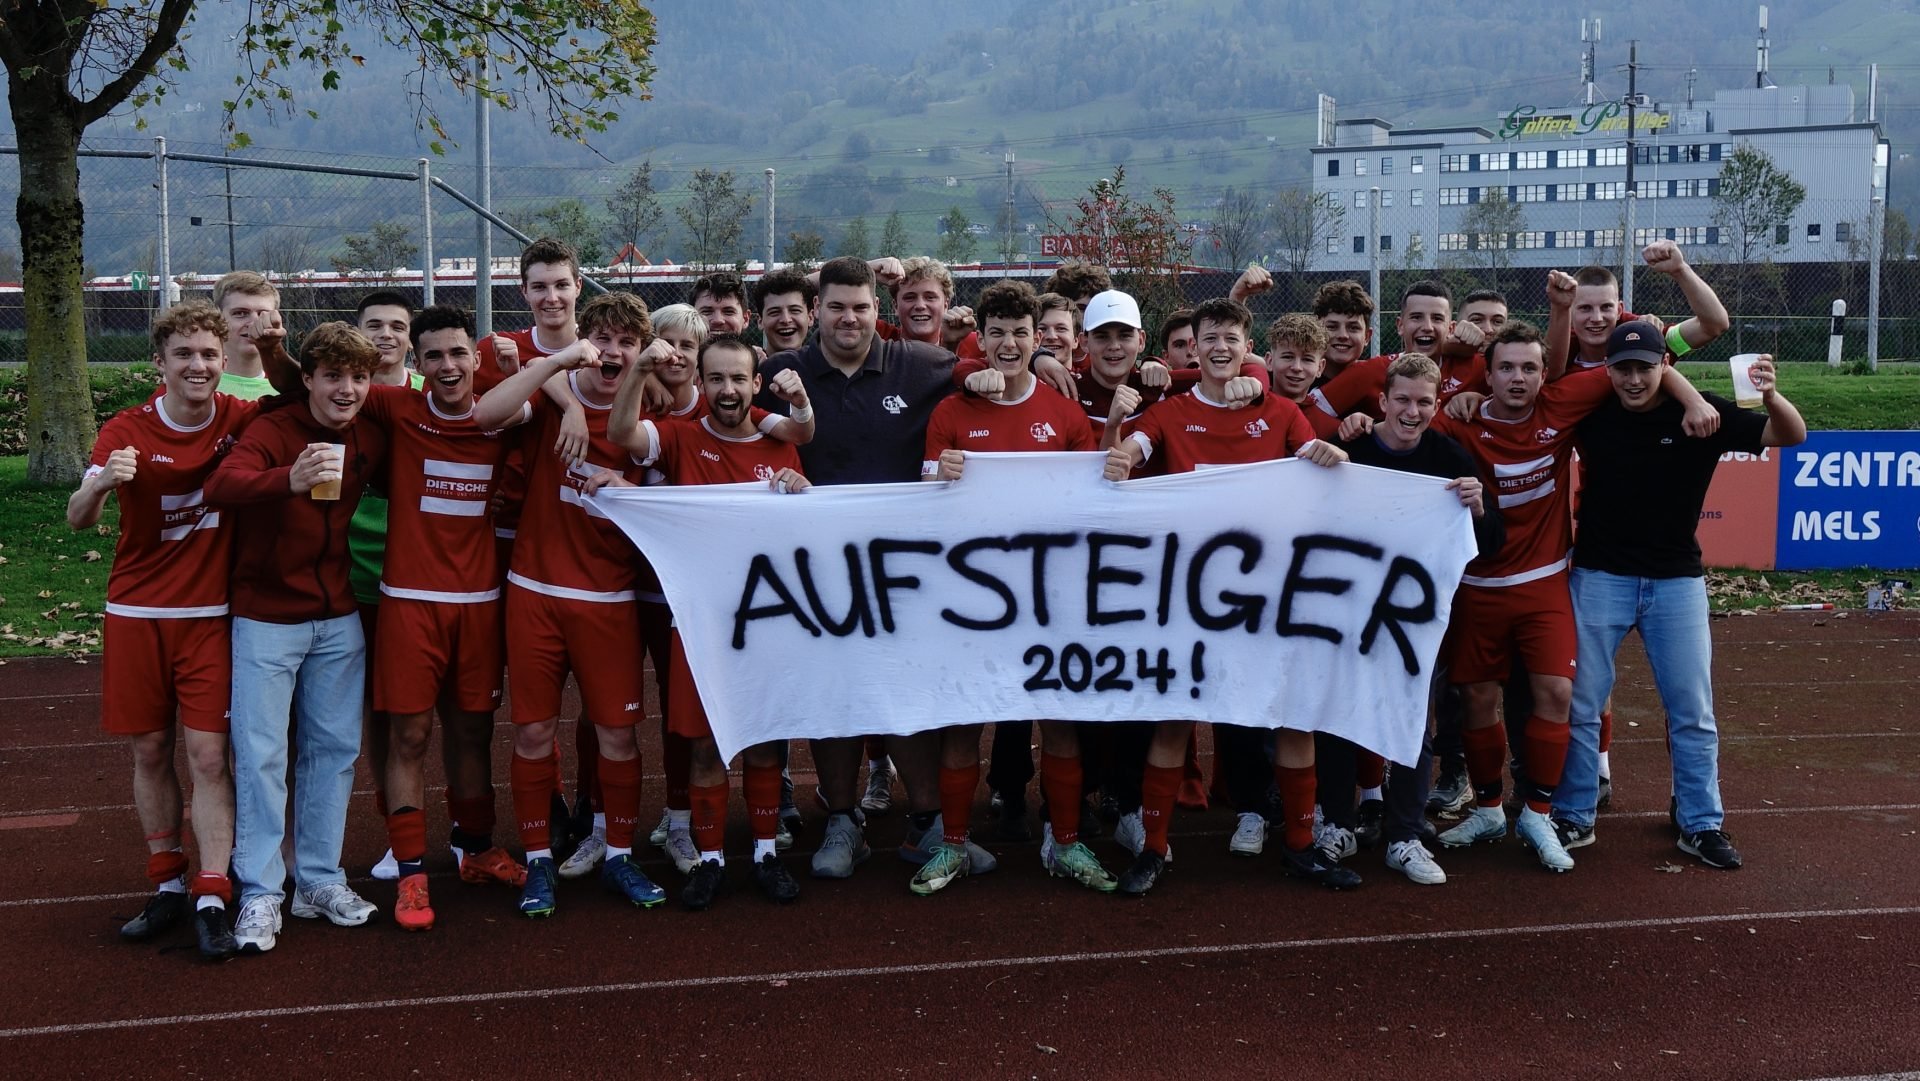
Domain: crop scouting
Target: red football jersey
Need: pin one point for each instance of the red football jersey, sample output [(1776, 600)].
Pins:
[(513, 475), (691, 452), (174, 554), (1525, 464), (441, 473), (566, 548), (1041, 420), (1358, 389), (1192, 430)]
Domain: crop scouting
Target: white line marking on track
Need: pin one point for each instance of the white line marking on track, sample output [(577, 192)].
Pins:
[(1766, 737), (49, 697), (935, 967), (1909, 1076)]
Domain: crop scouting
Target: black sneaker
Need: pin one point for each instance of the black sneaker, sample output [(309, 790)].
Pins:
[(775, 882), (1606, 794), (216, 938), (1367, 821), (1147, 868), (1711, 847), (1572, 836), (1314, 865), (164, 909), (1429, 833), (707, 882), (1673, 814)]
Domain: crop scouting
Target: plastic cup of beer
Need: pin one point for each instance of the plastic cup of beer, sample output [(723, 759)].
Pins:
[(336, 460), (1745, 394)]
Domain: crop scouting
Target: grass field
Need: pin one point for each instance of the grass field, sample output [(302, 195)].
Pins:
[(1831, 399), (53, 580)]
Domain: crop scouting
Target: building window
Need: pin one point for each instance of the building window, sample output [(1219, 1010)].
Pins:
[(1530, 159), (1360, 199), (1419, 163), (1493, 163), (1333, 166), (1416, 245), (1333, 245), (1453, 196), (1647, 189), (1611, 155), (1453, 242), (1359, 245), (1386, 242), (1386, 166), (1813, 231), (1570, 238), (1612, 189), (1684, 189), (1417, 197), (1453, 163), (1359, 167), (1781, 235), (1572, 193), (1644, 237), (1726, 151), (1643, 155), (1843, 231), (1605, 238), (1690, 234), (1713, 185), (1532, 239), (1527, 193), (1713, 234), (1386, 198)]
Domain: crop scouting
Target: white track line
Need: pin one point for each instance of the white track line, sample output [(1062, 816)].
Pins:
[(1177, 835), (936, 967)]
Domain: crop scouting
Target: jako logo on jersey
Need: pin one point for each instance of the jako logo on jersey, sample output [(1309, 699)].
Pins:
[(1043, 432), (709, 455), (161, 458), (893, 403), (1256, 428), (979, 433), (1196, 427), (763, 472), (630, 707)]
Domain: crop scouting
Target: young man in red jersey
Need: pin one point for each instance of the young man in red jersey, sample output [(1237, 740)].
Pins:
[(783, 306), (571, 602), (1118, 384), (1200, 429), (727, 443), (1012, 412), (1345, 309), (165, 637), (1296, 355), (1516, 603), (1425, 326)]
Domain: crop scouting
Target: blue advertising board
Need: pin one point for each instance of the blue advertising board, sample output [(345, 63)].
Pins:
[(1850, 499)]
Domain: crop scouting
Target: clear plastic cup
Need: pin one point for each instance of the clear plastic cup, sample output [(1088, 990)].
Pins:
[(1745, 394), (336, 460)]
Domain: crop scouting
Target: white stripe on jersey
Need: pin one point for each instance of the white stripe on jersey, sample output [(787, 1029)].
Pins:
[(176, 502), (1522, 578), (209, 520), (1523, 468), (1528, 496), (434, 467), (438, 597), (458, 508), (136, 611), (568, 592)]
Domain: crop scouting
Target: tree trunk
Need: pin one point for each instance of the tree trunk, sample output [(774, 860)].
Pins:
[(60, 426)]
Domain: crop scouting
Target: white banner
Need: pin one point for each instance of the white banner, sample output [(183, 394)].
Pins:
[(1273, 594)]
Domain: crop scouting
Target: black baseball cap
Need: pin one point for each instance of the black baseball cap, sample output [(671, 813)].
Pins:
[(1637, 340)]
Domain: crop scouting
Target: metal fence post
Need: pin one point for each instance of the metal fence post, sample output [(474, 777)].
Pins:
[(1876, 237), (1373, 256), (483, 183), (426, 235), (163, 287)]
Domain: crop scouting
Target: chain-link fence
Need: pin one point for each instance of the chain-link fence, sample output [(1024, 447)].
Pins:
[(329, 227)]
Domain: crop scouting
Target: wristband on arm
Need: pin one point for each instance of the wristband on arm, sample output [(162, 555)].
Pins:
[(1677, 342)]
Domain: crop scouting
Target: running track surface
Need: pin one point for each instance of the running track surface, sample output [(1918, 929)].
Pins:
[(1639, 964)]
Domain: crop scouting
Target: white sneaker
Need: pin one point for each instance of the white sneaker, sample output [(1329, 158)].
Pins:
[(1131, 833), (1046, 845), (1536, 831), (1483, 824), (1338, 842), (258, 922), (1412, 859), (658, 837), (334, 900), (680, 849), (879, 797), (586, 857), (1249, 836), (388, 869)]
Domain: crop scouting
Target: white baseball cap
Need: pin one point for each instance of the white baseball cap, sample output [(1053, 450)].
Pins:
[(1112, 306)]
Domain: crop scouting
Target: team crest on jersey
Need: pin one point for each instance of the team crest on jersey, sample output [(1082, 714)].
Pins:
[(893, 403), (763, 472), (1256, 428), (1043, 431), (1452, 385), (1547, 435)]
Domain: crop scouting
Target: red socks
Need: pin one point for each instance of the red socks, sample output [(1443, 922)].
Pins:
[(762, 786), (709, 815), (586, 749), (677, 759), (407, 835), (163, 867), (534, 780), (1299, 788), (1372, 771), (1606, 731), (1546, 746), (1159, 785), (1486, 754), (956, 801), (1060, 780), (211, 884), (472, 814), (620, 787)]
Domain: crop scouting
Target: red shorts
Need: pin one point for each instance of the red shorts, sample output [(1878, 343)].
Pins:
[(155, 668), (686, 714), (1491, 624), (438, 651), (547, 637)]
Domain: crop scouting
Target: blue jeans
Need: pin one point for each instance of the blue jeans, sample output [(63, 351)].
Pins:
[(316, 670), (1671, 616)]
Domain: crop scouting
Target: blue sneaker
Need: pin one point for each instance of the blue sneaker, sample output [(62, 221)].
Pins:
[(536, 897), (624, 878)]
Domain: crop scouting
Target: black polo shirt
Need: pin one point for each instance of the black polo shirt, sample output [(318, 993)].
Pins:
[(1435, 455), (1645, 482), (869, 428)]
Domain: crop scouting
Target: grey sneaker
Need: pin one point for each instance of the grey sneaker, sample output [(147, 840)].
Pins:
[(659, 835), (334, 900), (258, 923), (1131, 831), (1536, 831), (586, 856), (879, 797), (1249, 835), (680, 849), (842, 849)]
